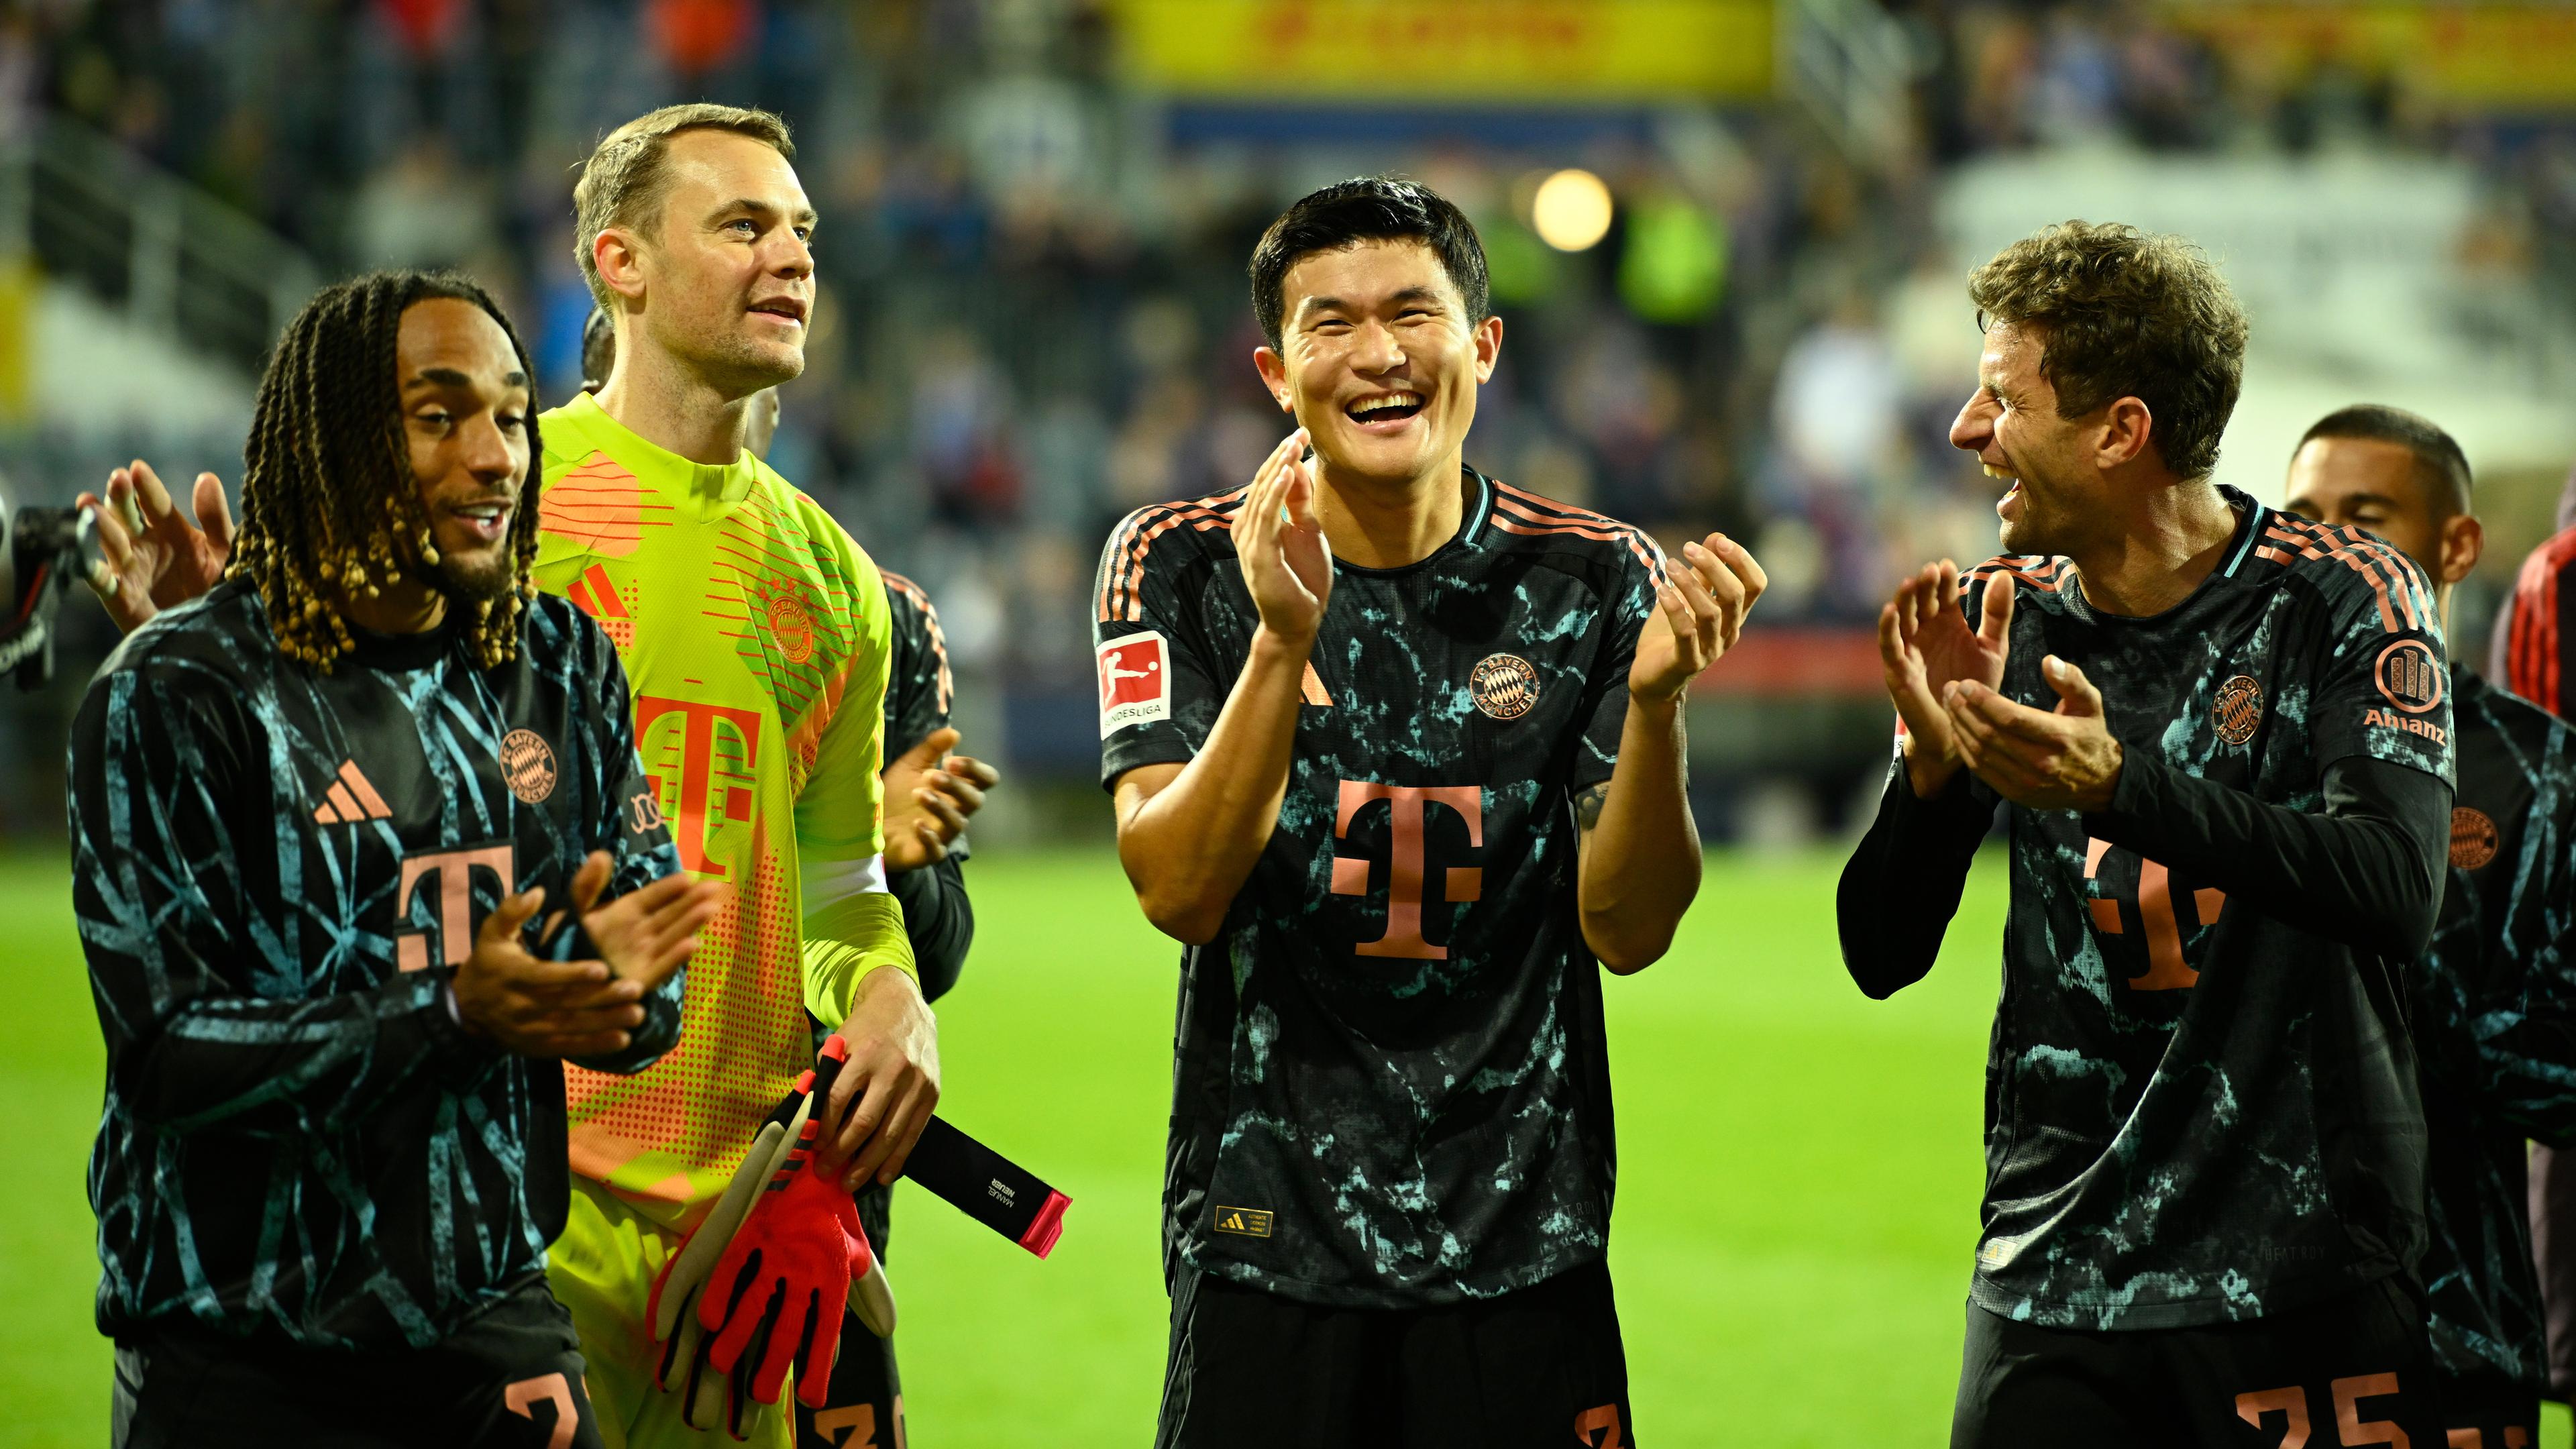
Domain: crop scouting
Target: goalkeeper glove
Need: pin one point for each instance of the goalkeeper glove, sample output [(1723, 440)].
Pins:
[(683, 1366), (781, 1283)]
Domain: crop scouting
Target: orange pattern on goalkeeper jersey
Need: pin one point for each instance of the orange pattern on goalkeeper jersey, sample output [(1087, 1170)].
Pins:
[(741, 637)]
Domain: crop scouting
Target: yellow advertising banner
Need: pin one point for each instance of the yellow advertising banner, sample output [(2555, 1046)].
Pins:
[(1498, 52), (2509, 54)]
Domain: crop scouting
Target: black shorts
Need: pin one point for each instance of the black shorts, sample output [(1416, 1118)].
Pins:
[(2346, 1371), (1542, 1366), (2490, 1411), (865, 1405), (509, 1378)]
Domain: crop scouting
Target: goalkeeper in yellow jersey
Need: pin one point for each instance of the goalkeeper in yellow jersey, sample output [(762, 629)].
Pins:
[(755, 634)]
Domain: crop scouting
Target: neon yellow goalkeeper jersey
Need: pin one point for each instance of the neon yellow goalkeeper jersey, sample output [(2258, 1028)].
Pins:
[(755, 635)]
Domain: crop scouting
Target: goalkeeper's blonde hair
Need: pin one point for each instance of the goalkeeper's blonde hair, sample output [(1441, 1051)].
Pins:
[(628, 173)]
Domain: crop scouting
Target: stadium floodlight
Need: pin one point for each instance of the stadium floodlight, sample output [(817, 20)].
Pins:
[(1570, 211)]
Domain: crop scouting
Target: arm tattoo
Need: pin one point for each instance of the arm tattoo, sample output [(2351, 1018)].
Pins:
[(1587, 806)]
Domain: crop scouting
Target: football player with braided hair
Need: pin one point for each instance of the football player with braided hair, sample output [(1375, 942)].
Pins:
[(362, 853), (759, 637), (327, 418)]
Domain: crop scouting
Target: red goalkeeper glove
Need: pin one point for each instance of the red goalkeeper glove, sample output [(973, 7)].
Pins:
[(711, 1399), (784, 1279)]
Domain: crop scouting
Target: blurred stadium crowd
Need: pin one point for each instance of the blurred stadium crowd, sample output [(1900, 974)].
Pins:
[(1033, 313)]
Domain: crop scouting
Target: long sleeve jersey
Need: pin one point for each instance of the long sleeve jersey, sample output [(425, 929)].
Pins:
[(277, 872), (2530, 657), (2495, 1025), (937, 917), (2201, 1097), (757, 635)]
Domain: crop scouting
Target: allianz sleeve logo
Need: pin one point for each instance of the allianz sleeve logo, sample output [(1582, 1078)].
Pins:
[(2408, 723)]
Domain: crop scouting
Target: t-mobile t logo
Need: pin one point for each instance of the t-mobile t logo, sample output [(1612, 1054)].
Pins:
[(2167, 970), (453, 870), (697, 772), (1407, 807)]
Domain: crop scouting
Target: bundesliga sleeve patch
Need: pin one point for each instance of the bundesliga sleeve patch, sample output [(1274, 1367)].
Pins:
[(1135, 681)]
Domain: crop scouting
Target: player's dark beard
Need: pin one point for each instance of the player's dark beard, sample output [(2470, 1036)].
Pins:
[(475, 583)]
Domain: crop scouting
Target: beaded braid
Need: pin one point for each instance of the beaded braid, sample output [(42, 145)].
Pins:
[(330, 508)]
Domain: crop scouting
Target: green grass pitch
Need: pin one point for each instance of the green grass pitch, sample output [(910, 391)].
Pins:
[(1797, 1197)]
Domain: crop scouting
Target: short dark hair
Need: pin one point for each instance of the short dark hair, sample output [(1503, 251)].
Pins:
[(2438, 459), (2120, 312), (1367, 208)]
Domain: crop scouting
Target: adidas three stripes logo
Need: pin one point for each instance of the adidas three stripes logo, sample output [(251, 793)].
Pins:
[(351, 799)]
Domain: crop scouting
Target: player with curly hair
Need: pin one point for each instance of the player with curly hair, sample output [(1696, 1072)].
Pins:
[(2221, 735)]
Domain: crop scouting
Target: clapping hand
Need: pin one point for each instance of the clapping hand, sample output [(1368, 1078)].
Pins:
[(929, 793), (1925, 646), (150, 557), (2061, 759), (1701, 615), (649, 932), (1279, 536)]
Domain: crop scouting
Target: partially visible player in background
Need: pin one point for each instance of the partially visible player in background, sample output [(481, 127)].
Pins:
[(929, 794), (314, 815), (759, 639), (2530, 650), (2494, 997), (1397, 751), (2528, 655)]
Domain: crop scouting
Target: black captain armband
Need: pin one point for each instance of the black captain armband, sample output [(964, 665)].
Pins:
[(988, 1187), (976, 1180)]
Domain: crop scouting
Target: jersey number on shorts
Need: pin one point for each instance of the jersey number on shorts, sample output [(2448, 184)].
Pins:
[(523, 1397), (2350, 1427)]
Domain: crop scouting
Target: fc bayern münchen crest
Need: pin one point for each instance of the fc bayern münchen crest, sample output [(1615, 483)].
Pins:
[(2473, 838), (527, 765), (1504, 686), (790, 625), (2239, 710)]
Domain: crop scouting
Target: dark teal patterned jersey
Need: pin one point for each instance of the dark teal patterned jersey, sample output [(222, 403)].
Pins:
[(1392, 1087), (919, 686), (277, 872), (2201, 1099), (2495, 1027)]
